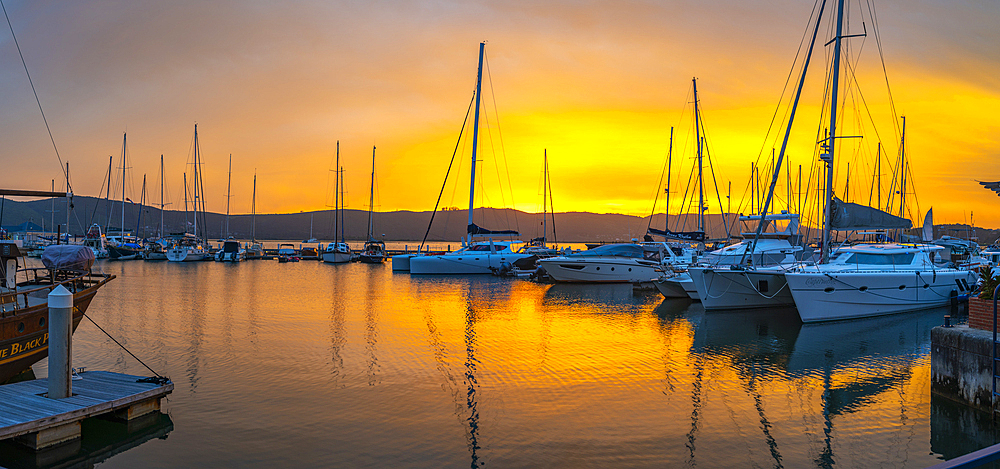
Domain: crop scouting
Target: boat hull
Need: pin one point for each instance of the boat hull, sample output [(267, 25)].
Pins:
[(184, 254), (730, 289), (830, 296), (679, 286), (336, 257), (401, 263), (600, 270), (18, 351), (123, 254), (461, 264), (371, 258)]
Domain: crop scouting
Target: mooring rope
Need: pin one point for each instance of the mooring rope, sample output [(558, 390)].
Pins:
[(157, 378)]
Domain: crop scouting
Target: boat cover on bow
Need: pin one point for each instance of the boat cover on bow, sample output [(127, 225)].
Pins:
[(681, 235), (846, 216), (68, 256), (477, 230)]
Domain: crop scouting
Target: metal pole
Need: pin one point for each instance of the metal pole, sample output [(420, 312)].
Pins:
[(60, 343), (475, 134)]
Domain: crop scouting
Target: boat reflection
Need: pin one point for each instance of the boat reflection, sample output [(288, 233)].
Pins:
[(101, 440)]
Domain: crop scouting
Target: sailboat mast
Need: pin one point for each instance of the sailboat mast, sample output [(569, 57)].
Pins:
[(142, 202), (107, 198), (371, 199), (670, 154), (161, 196), (475, 134), (788, 132), (343, 236), (185, 201), (253, 210), (229, 192), (698, 144), (196, 180), (545, 174), (122, 230), (902, 171), (336, 198), (831, 139)]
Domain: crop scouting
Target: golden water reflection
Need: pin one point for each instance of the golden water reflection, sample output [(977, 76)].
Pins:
[(352, 365)]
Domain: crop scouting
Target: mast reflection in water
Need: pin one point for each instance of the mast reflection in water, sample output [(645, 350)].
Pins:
[(348, 365)]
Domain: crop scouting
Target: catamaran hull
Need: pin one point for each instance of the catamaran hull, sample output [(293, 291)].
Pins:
[(679, 286), (594, 270), (464, 264), (401, 263), (731, 289), (829, 296)]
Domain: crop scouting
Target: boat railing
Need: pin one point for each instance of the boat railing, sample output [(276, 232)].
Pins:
[(44, 280)]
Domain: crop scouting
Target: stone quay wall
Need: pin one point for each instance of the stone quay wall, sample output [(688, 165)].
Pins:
[(962, 363)]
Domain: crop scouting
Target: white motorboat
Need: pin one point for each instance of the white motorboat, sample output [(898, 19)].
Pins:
[(96, 241), (617, 263), (231, 251), (476, 258), (875, 279)]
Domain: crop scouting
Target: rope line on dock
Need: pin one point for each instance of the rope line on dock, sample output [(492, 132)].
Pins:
[(157, 377)]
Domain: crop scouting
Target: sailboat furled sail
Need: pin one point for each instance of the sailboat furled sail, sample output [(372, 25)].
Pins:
[(847, 216)]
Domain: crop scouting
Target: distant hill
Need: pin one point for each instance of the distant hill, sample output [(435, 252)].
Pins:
[(449, 225)]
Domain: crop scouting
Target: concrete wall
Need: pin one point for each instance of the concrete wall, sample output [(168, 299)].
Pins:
[(961, 365)]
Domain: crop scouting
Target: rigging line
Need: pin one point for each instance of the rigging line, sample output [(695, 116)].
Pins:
[(684, 200), (503, 201), (69, 188), (656, 195), (788, 79), (94, 213), (503, 150), (718, 195), (123, 347), (878, 42)]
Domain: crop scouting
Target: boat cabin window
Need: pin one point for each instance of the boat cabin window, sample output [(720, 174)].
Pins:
[(677, 251), (880, 259), (480, 247)]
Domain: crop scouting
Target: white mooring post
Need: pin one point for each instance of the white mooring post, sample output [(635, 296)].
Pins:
[(60, 343)]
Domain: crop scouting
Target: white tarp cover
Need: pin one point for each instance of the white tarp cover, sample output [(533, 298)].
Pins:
[(68, 256), (845, 216)]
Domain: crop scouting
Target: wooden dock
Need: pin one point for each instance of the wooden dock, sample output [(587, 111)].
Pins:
[(39, 422)]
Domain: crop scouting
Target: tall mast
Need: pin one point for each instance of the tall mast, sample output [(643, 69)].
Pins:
[(670, 154), (229, 192), (545, 174), (196, 194), (161, 196), (185, 201), (698, 144), (122, 239), (53, 210), (475, 134), (336, 197), (343, 236), (69, 201), (832, 138), (253, 210), (788, 132), (107, 198), (142, 203), (902, 171), (371, 200)]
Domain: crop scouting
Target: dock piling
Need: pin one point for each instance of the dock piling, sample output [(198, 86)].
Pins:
[(60, 343)]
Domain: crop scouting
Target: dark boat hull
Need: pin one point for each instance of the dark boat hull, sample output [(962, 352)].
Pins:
[(20, 350), (123, 254), (371, 259)]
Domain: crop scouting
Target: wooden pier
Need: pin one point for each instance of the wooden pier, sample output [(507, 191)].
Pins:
[(40, 422)]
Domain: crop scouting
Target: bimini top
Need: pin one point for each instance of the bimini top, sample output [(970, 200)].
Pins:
[(890, 248), (498, 246)]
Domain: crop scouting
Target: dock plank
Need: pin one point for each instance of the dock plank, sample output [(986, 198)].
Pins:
[(23, 409)]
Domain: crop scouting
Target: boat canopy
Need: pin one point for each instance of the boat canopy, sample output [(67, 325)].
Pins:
[(618, 250), (68, 257), (477, 230), (698, 236), (846, 216)]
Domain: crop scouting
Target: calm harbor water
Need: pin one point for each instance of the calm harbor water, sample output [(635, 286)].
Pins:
[(316, 365)]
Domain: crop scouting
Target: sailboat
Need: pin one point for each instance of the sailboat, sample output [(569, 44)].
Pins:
[(338, 252), (374, 249), (254, 249), (474, 257), (231, 250), (190, 247), (123, 247)]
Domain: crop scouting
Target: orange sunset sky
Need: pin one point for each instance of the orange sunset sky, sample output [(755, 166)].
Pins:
[(598, 84)]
